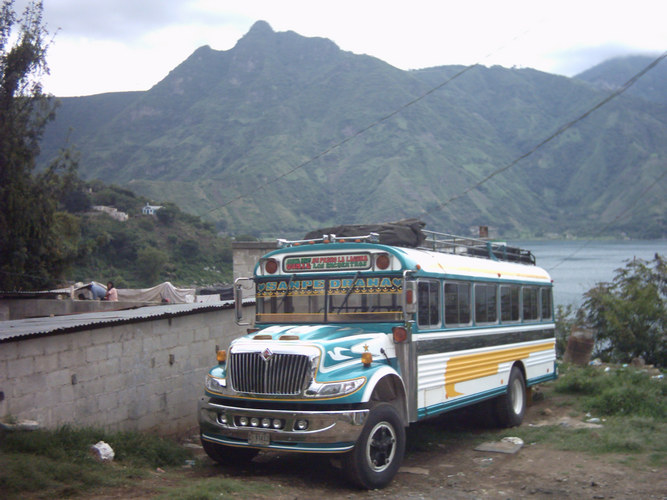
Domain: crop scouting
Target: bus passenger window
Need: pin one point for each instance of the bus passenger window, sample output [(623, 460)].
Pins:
[(428, 297), (486, 309), (509, 303), (546, 303), (457, 304), (530, 303)]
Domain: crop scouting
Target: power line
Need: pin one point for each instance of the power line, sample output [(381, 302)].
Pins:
[(346, 140), (558, 132)]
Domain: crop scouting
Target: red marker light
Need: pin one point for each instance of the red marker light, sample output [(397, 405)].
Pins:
[(271, 266), (382, 261)]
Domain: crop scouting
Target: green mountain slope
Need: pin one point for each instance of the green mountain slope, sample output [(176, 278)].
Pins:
[(615, 72), (238, 137)]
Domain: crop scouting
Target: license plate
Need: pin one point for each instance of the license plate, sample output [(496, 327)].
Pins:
[(259, 439)]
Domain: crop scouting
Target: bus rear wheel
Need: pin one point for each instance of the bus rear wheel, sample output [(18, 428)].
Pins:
[(511, 406), (378, 453)]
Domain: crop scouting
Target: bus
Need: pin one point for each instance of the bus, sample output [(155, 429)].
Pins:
[(354, 339)]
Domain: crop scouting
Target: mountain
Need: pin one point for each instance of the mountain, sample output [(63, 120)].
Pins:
[(612, 74), (283, 134)]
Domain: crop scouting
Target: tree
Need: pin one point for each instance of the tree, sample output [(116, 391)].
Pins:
[(150, 262), (33, 250), (630, 313)]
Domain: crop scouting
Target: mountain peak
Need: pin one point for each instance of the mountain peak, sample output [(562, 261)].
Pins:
[(260, 28)]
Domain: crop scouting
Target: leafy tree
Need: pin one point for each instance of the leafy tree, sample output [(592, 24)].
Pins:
[(150, 263), (630, 313), (167, 214), (34, 252)]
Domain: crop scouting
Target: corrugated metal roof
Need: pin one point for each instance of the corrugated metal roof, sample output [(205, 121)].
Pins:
[(25, 328)]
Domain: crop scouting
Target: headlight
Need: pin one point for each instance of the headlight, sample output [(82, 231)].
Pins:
[(215, 384), (334, 389)]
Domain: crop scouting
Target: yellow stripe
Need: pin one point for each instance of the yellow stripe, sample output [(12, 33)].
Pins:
[(472, 366)]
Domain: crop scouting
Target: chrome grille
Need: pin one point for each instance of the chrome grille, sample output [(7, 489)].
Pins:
[(282, 374)]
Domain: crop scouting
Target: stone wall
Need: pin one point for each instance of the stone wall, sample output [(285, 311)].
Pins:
[(247, 253), (141, 375)]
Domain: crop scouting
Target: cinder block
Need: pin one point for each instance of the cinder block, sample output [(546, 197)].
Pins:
[(56, 379), (30, 348), (10, 350), (56, 343), (115, 383), (72, 359), (21, 367), (96, 353), (48, 363), (114, 350), (105, 336), (108, 367), (169, 340), (66, 393), (186, 337)]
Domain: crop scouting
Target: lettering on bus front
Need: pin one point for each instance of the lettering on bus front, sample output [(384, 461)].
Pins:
[(341, 262)]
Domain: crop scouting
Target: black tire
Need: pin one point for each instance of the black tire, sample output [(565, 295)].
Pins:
[(378, 453), (511, 406), (228, 455)]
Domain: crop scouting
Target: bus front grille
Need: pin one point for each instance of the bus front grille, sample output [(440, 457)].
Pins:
[(281, 374)]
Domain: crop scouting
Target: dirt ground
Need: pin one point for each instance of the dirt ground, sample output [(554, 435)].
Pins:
[(452, 471)]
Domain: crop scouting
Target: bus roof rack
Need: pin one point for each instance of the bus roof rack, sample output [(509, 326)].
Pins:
[(330, 238), (463, 245), (433, 241)]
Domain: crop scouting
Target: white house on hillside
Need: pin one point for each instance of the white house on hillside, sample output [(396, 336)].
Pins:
[(150, 209)]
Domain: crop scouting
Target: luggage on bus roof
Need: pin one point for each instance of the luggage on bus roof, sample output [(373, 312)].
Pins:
[(403, 233)]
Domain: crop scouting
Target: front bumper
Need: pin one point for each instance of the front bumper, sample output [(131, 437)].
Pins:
[(327, 432)]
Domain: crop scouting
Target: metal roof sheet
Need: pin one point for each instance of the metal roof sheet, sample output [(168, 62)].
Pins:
[(25, 328)]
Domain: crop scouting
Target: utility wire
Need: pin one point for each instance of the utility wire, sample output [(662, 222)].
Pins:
[(550, 138), (346, 140)]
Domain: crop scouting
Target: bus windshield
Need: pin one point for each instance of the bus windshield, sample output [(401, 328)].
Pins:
[(330, 300)]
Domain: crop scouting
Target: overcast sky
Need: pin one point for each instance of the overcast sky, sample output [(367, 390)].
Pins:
[(116, 45)]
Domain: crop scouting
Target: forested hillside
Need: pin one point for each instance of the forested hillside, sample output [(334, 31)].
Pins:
[(265, 139)]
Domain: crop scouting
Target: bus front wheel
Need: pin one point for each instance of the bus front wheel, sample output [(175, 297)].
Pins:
[(511, 406), (378, 453)]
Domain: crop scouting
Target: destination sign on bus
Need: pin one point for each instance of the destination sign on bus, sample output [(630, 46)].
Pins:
[(338, 262)]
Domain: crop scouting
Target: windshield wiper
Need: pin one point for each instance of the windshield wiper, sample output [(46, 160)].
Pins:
[(349, 292), (282, 299)]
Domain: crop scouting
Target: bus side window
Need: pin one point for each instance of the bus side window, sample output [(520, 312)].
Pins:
[(486, 303), (457, 304), (546, 303), (428, 298), (509, 303), (530, 303)]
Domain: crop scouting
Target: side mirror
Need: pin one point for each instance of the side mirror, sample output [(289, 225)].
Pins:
[(238, 300), (409, 295)]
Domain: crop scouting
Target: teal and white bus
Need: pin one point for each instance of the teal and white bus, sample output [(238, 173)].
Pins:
[(354, 339)]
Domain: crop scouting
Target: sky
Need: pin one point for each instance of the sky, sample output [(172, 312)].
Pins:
[(119, 45)]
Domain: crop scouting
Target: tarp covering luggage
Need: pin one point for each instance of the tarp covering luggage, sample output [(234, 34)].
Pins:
[(403, 233)]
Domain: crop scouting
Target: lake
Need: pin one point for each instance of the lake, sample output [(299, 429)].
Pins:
[(576, 266)]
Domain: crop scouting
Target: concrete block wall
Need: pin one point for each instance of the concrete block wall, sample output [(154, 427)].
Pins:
[(142, 375), (247, 253)]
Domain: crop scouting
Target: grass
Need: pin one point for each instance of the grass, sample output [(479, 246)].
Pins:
[(58, 463), (632, 404), (217, 488)]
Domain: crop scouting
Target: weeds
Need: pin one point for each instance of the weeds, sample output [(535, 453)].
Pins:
[(619, 392), (58, 463)]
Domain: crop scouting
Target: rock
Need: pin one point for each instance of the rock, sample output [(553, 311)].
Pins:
[(102, 452), (414, 470), (638, 362), (21, 425)]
